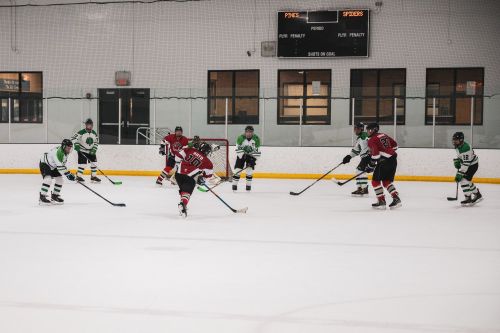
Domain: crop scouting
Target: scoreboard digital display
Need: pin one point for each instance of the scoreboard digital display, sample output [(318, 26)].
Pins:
[(323, 34)]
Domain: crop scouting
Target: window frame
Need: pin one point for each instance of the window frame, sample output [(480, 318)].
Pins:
[(24, 97), (304, 98), (452, 97), (378, 96), (233, 97)]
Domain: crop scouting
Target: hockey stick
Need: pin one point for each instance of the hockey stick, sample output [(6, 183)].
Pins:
[(100, 196), (112, 182), (317, 180), (242, 210), (456, 196), (204, 189), (347, 181)]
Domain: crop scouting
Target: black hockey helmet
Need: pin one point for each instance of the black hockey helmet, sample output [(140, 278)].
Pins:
[(372, 126), (458, 136), (178, 128), (249, 128), (359, 125), (66, 143), (89, 122), (205, 148)]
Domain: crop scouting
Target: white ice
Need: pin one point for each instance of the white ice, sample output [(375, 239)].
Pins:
[(319, 262)]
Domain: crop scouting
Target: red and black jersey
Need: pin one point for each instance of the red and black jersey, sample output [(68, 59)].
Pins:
[(175, 144), (193, 163), (382, 145)]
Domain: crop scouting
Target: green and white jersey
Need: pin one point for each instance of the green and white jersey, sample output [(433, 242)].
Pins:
[(56, 159), (466, 156), (361, 146), (86, 142), (248, 146)]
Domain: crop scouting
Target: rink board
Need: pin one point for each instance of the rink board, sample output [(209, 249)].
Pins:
[(414, 164)]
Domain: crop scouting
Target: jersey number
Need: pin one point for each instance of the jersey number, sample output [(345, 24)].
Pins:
[(385, 142), (193, 160)]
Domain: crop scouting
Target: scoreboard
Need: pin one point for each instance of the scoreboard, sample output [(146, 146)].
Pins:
[(323, 34)]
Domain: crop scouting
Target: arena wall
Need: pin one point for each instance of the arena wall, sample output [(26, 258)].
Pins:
[(276, 162)]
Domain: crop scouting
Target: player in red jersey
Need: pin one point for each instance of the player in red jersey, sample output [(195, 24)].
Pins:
[(383, 164), (194, 168), (171, 144)]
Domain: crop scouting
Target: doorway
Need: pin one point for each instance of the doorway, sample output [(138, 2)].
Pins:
[(121, 113)]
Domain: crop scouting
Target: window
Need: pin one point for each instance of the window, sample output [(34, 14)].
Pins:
[(25, 91), (374, 91), (240, 89), (452, 90), (306, 90)]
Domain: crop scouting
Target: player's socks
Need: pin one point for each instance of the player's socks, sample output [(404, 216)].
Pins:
[(45, 188), (249, 182)]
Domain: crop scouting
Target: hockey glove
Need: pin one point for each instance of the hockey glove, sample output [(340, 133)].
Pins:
[(93, 151), (162, 150), (371, 166), (346, 159), (459, 177), (456, 162), (70, 176), (201, 181), (77, 146)]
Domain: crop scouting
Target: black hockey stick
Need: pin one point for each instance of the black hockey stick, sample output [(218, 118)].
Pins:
[(100, 196), (317, 180), (112, 182), (242, 210), (456, 196), (204, 189), (347, 181)]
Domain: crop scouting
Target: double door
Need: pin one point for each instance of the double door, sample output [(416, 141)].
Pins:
[(121, 113)]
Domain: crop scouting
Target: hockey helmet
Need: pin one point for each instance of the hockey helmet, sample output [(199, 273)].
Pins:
[(178, 128), (249, 128), (66, 143), (373, 127), (359, 125), (89, 122), (458, 136), (204, 148)]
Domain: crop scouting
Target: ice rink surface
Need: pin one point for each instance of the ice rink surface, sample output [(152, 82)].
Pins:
[(319, 262)]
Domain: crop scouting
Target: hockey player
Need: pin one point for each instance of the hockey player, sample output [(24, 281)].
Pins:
[(86, 142), (194, 168), (171, 144), (383, 164), (195, 143), (466, 164), (247, 151), (361, 149), (53, 166)]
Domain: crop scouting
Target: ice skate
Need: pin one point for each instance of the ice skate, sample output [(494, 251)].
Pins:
[(94, 179), (360, 192), (396, 203), (380, 204), (43, 200), (56, 199)]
